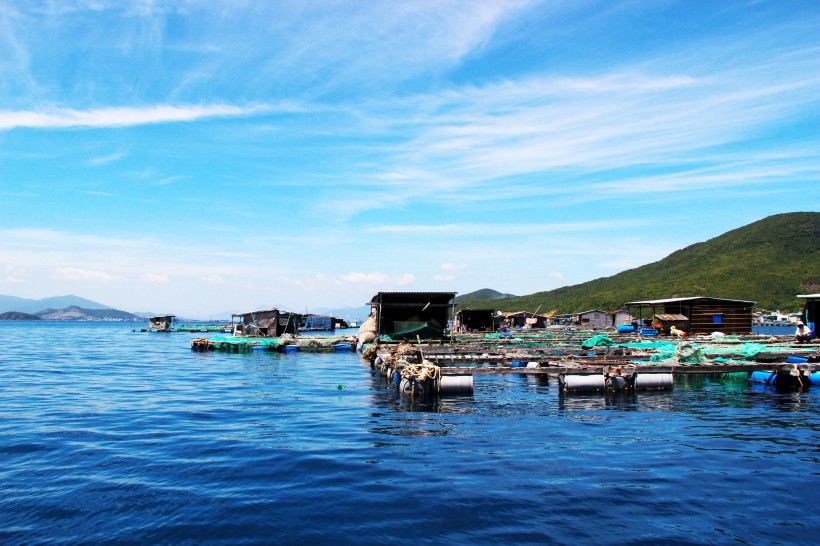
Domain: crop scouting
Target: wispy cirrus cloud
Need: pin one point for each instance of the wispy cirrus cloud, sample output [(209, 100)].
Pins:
[(377, 278), (56, 118), (79, 274)]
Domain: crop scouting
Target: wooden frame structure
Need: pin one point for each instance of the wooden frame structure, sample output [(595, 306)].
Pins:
[(811, 311), (412, 315), (265, 323), (704, 314), (474, 320)]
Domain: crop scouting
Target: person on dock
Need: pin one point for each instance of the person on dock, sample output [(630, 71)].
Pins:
[(803, 333)]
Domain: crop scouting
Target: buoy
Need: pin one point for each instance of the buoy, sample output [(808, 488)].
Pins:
[(592, 382), (654, 381), (455, 384)]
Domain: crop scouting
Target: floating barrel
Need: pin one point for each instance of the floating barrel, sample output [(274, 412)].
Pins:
[(592, 382), (290, 349), (640, 381), (654, 381), (343, 348), (785, 380), (411, 385), (455, 384), (625, 329), (797, 360)]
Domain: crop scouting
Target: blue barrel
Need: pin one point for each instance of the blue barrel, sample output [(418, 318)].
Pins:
[(815, 378), (343, 348), (257, 348), (760, 376), (290, 349), (797, 360), (649, 332), (625, 329)]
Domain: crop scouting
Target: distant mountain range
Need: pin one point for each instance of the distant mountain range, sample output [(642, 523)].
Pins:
[(25, 305), (769, 262), (60, 308)]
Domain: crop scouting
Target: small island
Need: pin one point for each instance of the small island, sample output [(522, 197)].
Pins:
[(17, 315)]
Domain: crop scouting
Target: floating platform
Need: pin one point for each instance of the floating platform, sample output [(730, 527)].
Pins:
[(231, 344)]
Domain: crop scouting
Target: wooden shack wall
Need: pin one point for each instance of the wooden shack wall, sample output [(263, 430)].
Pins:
[(736, 317), (477, 320), (593, 319)]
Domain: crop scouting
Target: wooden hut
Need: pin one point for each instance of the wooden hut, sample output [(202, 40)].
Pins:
[(406, 315), (265, 323), (523, 319), (618, 318), (162, 323), (699, 315), (316, 322), (591, 319), (811, 311), (474, 320)]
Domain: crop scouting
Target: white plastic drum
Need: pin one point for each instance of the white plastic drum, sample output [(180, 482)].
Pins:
[(455, 384), (582, 382), (654, 381)]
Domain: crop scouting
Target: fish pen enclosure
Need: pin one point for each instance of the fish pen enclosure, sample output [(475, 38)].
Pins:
[(704, 314), (265, 323), (474, 320), (412, 315)]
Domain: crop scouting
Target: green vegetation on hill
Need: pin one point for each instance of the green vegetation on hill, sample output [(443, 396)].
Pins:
[(485, 294), (769, 262), (16, 315), (78, 313)]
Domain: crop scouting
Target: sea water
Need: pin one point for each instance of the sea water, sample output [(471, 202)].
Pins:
[(114, 436)]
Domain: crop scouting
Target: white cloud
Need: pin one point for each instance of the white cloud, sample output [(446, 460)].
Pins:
[(119, 117), (214, 279), (77, 274), (379, 278), (14, 275), (155, 278), (453, 267), (105, 160), (556, 275), (415, 229)]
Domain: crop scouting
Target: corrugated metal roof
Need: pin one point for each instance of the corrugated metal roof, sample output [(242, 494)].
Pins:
[(670, 316), (412, 297), (676, 300), (281, 311)]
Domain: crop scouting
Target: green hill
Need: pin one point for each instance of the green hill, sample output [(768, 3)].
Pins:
[(485, 294), (16, 315), (79, 313), (769, 261)]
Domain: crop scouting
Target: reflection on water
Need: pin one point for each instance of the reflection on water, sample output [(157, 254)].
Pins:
[(616, 400)]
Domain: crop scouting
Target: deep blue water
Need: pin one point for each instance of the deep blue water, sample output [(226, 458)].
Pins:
[(111, 436)]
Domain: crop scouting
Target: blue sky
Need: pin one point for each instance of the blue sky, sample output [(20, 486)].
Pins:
[(197, 157)]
